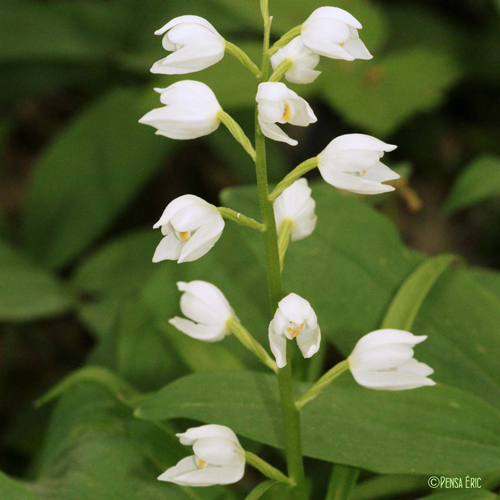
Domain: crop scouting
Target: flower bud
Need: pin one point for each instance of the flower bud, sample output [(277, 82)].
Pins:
[(195, 45), (294, 319), (207, 309), (352, 162), (190, 111), (304, 61), (218, 458), (191, 227), (384, 360), (333, 33), (297, 205), (278, 104)]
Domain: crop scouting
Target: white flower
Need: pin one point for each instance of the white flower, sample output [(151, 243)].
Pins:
[(191, 227), (209, 310), (190, 111), (333, 33), (294, 319), (278, 104), (352, 162), (218, 458), (384, 360), (195, 45), (304, 61), (296, 203)]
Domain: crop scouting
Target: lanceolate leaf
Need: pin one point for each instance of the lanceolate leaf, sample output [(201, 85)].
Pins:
[(439, 430)]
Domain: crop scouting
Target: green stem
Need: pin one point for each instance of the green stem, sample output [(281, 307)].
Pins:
[(291, 417), (284, 239), (267, 469), (294, 175), (239, 54), (282, 68), (237, 132), (286, 38), (323, 382), (342, 482), (241, 219), (247, 339)]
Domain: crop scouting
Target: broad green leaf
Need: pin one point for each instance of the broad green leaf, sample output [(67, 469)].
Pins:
[(390, 486), (439, 430), (479, 182), (119, 268), (382, 94), (260, 490), (351, 268), (407, 302), (101, 376), (27, 291), (14, 490), (88, 176)]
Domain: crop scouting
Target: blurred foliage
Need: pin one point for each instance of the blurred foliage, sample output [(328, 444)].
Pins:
[(80, 180)]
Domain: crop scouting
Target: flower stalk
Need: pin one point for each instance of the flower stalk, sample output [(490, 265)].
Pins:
[(242, 57), (287, 37), (322, 383), (247, 339), (284, 239), (267, 469), (295, 174), (243, 220), (237, 132), (279, 72)]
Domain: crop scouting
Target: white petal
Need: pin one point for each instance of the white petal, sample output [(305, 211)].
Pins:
[(272, 131), (218, 451), (278, 347), (272, 91), (386, 337), (186, 200), (382, 358), (355, 160), (200, 332), (352, 183), (186, 465), (314, 39), (203, 240), (413, 366), (207, 431), (192, 217), (381, 173), (309, 341), (185, 19), (301, 75), (334, 13), (358, 141), (357, 49), (214, 475), (302, 113), (169, 248), (296, 309), (390, 381), (189, 33), (191, 94)]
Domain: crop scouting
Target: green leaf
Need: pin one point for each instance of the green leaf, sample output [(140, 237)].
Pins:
[(462, 495), (407, 302), (259, 490), (88, 176), (122, 391), (447, 430), (14, 490), (390, 486), (479, 182), (381, 95), (27, 291)]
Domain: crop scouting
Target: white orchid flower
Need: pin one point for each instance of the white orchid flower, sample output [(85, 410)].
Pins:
[(352, 162), (384, 360), (191, 227), (304, 61), (191, 111), (278, 104), (207, 309), (195, 45), (218, 458), (296, 204), (294, 319), (333, 33)]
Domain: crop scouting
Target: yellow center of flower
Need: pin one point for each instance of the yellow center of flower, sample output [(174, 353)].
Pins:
[(287, 113), (295, 330), (363, 173), (201, 464), (341, 44), (184, 235)]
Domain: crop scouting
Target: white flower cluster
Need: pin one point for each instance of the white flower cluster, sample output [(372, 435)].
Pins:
[(191, 226)]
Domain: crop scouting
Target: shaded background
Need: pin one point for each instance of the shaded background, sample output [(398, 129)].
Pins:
[(78, 173)]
